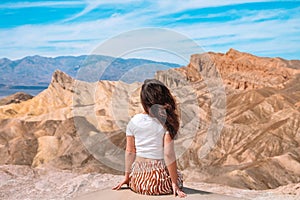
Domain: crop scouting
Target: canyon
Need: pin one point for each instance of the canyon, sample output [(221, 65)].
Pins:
[(239, 118)]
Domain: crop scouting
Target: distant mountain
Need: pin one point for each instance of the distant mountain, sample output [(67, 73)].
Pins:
[(38, 70)]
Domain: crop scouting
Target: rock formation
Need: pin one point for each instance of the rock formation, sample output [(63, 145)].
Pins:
[(15, 98), (258, 147), (80, 126), (243, 71)]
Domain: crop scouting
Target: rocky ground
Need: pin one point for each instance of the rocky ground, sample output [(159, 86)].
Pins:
[(23, 182)]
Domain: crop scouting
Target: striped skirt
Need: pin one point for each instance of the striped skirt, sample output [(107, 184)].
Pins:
[(152, 178)]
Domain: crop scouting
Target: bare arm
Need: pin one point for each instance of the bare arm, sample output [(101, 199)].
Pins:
[(129, 154), (129, 159), (170, 159)]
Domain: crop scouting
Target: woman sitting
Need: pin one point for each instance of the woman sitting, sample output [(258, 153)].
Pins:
[(150, 161)]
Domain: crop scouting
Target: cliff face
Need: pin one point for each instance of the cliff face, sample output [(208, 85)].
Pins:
[(243, 133), (243, 71), (49, 129), (258, 146)]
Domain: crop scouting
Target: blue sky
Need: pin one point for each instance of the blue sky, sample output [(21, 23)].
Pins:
[(65, 27)]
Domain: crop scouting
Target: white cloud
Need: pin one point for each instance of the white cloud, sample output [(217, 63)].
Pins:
[(93, 4), (247, 33), (27, 4), (263, 37), (168, 6), (83, 37)]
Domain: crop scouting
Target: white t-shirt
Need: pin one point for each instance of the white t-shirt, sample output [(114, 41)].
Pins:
[(148, 135)]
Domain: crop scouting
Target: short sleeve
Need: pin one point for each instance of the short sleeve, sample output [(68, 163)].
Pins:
[(167, 132), (129, 129)]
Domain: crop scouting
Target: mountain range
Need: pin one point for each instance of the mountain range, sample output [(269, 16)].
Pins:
[(37, 70)]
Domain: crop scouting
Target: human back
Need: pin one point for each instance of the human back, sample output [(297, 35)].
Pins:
[(149, 135)]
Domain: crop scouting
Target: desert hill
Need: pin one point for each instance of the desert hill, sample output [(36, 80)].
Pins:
[(255, 145), (258, 147), (15, 98)]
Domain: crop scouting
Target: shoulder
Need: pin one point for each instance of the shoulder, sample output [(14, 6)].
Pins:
[(135, 123), (138, 117), (144, 121)]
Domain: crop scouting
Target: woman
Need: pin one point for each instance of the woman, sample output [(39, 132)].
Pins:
[(150, 162)]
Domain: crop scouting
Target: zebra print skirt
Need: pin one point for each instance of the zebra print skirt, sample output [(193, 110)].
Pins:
[(152, 178)]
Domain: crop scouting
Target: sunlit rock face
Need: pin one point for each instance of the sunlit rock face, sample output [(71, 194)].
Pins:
[(258, 146), (239, 122)]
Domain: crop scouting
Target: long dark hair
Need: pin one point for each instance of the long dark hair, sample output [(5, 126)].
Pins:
[(158, 102)]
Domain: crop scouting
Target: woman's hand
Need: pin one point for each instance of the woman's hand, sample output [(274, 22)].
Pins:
[(177, 191), (125, 181)]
